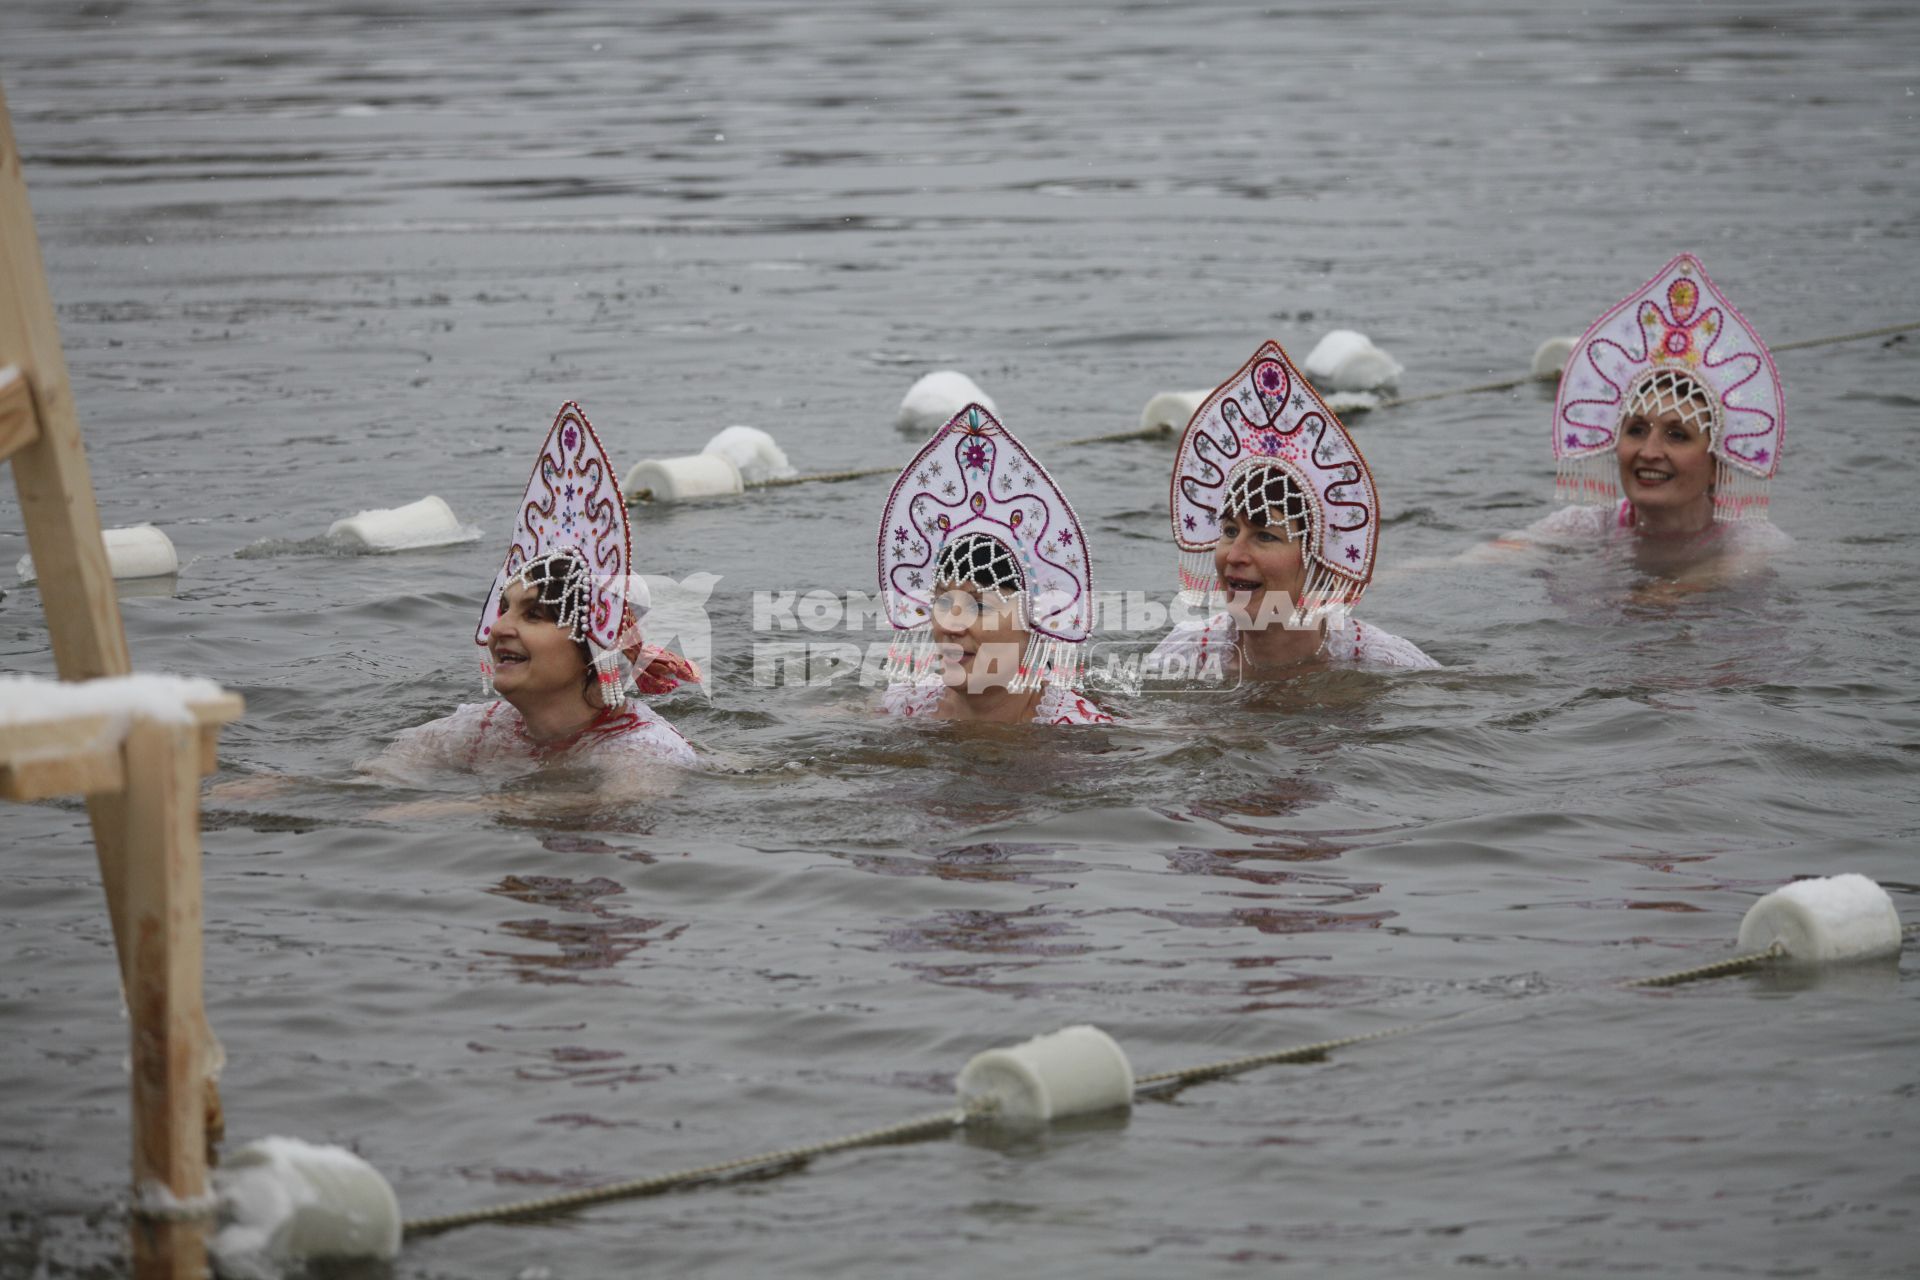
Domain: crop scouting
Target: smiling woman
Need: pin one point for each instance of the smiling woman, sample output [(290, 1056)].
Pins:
[(1275, 513), (1668, 426), (562, 634)]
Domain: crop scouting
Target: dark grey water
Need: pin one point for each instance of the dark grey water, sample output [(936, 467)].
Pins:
[(310, 261)]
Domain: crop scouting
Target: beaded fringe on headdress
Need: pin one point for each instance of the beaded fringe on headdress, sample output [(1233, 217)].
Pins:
[(1592, 480), (1737, 494), (1199, 583), (611, 671), (912, 658), (1049, 661), (1326, 597)]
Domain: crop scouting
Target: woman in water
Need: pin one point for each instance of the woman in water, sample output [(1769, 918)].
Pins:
[(561, 633), (1667, 429), (1275, 516), (984, 569)]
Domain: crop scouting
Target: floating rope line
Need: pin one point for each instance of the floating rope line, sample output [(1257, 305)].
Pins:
[(928, 1126), (1159, 431), (1163, 1082), (824, 477), (1882, 332), (1718, 969), (1509, 384), (1479, 388), (1165, 431), (941, 1123)]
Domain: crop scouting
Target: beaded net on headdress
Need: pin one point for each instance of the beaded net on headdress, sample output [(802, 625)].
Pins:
[(978, 561), (560, 580), (573, 526), (975, 507), (1268, 497), (1663, 391), (1676, 331), (1267, 421)]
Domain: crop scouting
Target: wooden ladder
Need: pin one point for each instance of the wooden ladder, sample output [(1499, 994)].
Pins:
[(143, 789)]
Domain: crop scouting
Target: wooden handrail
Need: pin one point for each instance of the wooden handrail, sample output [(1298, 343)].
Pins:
[(142, 786), (81, 754)]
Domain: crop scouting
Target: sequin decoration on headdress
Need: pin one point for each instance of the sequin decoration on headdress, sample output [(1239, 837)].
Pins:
[(572, 543), (1265, 445), (975, 504), (1674, 342)]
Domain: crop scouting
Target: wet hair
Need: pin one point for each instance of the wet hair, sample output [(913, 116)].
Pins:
[(976, 560), (1264, 495), (1663, 391)]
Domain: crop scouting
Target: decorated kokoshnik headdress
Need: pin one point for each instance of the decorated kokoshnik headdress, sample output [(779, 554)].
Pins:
[(974, 506), (572, 543), (1674, 343), (1264, 445)]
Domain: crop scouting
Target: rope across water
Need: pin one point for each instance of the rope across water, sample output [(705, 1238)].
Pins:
[(927, 1126), (940, 1123), (1164, 431), (1509, 384)]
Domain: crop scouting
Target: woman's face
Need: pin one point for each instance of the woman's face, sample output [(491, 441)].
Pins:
[(1665, 461), (533, 659), (979, 637), (1258, 563)]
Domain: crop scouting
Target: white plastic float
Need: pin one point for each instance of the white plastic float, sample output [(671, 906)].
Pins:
[(932, 401), (698, 475), (1171, 410), (138, 551), (1070, 1072), (1830, 920), (1346, 360), (1550, 357), (284, 1201), (430, 522), (753, 452)]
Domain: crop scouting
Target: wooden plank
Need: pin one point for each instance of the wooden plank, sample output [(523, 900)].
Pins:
[(79, 755), (18, 425), (212, 717), (56, 494), (164, 984), (75, 772), (36, 739), (168, 1250), (56, 489), (62, 522), (224, 709)]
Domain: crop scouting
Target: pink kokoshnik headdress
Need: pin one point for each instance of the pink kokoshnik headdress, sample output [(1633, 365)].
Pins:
[(1268, 419), (1675, 333), (975, 498), (573, 523)]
